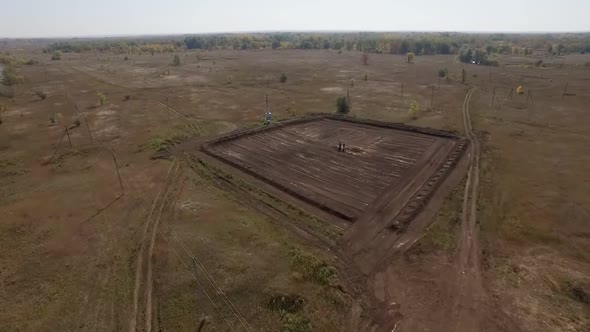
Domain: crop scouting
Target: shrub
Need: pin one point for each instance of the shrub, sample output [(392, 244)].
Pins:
[(342, 106), (520, 90), (285, 303), (365, 59), (31, 62), (176, 60), (102, 98), (1, 111), (126, 58), (55, 117), (283, 78), (365, 77), (465, 54), (56, 55), (295, 323), (41, 94), (410, 57), (311, 267), (443, 72), (414, 108), (9, 77)]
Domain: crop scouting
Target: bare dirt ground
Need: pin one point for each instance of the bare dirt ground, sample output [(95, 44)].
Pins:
[(345, 182), (189, 238)]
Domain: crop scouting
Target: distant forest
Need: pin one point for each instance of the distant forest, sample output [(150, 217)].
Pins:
[(369, 42)]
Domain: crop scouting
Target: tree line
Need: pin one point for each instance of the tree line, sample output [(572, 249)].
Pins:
[(369, 42)]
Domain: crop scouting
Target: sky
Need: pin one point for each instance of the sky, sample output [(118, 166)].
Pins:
[(71, 18)]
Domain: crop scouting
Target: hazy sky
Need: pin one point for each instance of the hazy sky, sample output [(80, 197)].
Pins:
[(50, 18)]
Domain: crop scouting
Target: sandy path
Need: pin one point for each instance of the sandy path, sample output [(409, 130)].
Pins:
[(470, 293)]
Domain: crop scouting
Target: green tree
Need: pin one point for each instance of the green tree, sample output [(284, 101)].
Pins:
[(342, 105), (56, 55), (176, 60), (414, 109), (465, 54), (9, 76)]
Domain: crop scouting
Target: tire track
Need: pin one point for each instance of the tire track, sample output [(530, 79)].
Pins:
[(149, 274), (139, 265), (470, 292)]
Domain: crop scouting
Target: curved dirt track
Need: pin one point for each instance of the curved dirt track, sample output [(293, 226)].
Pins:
[(467, 305), (153, 217)]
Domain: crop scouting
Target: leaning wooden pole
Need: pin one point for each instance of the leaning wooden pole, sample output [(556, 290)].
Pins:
[(493, 96), (118, 174), (68, 132), (432, 97), (564, 90)]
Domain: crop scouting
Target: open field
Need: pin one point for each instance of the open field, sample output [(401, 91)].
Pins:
[(76, 254)]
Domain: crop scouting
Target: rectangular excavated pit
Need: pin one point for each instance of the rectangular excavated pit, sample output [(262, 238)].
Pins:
[(384, 164)]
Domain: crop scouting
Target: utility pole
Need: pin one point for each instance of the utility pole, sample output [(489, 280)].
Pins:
[(203, 317), (68, 132), (432, 98)]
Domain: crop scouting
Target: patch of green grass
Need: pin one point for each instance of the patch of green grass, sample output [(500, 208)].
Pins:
[(163, 143), (442, 234), (159, 144), (295, 323), (311, 267)]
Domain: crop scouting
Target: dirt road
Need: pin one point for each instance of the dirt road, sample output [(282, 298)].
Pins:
[(467, 304)]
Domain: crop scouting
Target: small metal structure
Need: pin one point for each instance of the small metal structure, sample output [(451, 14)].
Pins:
[(267, 113), (267, 117)]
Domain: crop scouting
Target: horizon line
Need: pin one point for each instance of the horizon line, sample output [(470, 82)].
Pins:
[(123, 35)]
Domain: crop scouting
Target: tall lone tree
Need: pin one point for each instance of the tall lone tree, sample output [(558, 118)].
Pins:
[(342, 105)]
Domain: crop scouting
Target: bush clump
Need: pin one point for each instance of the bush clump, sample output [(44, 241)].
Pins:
[(283, 78), (56, 56), (413, 111), (342, 105), (176, 60), (102, 98), (311, 267), (41, 94), (285, 303), (295, 323)]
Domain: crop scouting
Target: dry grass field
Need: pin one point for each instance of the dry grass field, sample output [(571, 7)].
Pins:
[(187, 237)]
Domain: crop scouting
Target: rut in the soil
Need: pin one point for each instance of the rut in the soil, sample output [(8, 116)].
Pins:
[(140, 255), (470, 293), (149, 275)]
